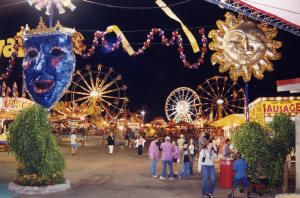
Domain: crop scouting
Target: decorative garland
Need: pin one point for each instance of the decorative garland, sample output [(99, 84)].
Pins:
[(11, 62), (165, 41), (98, 35)]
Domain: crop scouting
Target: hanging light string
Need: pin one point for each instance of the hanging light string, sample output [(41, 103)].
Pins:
[(136, 7), (12, 4)]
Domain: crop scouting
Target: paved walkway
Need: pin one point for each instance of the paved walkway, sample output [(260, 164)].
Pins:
[(95, 174)]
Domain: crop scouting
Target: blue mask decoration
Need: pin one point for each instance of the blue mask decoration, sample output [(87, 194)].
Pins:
[(48, 65)]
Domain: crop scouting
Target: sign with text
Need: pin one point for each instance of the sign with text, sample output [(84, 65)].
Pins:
[(15, 103), (283, 106), (6, 48)]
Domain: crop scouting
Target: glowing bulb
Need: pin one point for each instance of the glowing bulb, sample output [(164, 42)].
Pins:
[(94, 94), (220, 101)]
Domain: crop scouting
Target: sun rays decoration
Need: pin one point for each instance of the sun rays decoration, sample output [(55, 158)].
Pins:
[(244, 47)]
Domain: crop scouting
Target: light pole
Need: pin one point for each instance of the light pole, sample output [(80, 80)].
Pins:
[(143, 114)]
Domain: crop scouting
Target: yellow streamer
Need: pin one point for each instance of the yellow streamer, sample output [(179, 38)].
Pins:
[(171, 14), (118, 32)]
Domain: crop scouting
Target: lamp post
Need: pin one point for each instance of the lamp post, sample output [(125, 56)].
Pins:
[(143, 114)]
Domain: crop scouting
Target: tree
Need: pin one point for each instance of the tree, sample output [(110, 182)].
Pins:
[(253, 143), (282, 144), (36, 149)]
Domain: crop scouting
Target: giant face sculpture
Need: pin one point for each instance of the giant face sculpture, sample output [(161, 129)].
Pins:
[(48, 66), (49, 60), (244, 44), (243, 47)]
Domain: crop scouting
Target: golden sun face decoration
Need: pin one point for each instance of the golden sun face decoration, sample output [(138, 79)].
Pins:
[(244, 47)]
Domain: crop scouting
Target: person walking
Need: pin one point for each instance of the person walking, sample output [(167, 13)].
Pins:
[(192, 152), (240, 174), (126, 139), (226, 152), (176, 156), (202, 141), (132, 139), (180, 141), (206, 159), (153, 156), (111, 143), (140, 143), (167, 156), (73, 139), (185, 159)]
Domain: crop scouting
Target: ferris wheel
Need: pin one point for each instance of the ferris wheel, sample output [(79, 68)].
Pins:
[(101, 88), (182, 105), (220, 97)]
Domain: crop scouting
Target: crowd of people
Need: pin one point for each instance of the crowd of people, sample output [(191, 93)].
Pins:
[(182, 153), (178, 157)]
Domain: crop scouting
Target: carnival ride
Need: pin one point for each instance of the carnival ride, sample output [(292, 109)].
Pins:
[(100, 89), (182, 105), (220, 97)]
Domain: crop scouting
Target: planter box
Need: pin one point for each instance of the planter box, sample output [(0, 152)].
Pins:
[(292, 195), (37, 190)]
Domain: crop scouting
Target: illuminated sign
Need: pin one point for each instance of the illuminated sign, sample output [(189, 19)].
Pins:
[(15, 103), (6, 48)]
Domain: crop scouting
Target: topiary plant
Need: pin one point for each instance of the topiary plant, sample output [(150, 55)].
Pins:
[(283, 143), (35, 148), (253, 143)]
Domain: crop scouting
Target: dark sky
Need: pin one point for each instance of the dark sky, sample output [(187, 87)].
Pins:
[(152, 76)]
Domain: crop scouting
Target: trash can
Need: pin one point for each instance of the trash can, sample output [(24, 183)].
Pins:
[(226, 173)]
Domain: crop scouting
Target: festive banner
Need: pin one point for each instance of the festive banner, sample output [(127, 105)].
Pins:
[(171, 14)]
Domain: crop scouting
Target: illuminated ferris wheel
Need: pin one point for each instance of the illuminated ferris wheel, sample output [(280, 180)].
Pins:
[(220, 97), (182, 105), (101, 88)]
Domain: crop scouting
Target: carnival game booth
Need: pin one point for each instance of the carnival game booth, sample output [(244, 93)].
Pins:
[(227, 125), (176, 129), (9, 107), (262, 110)]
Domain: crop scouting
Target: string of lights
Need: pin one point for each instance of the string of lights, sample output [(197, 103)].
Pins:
[(135, 7), (12, 4)]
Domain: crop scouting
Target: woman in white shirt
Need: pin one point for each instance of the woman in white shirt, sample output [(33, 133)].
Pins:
[(192, 151), (73, 139), (206, 160)]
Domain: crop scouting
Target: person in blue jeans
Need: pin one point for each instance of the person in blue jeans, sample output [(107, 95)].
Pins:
[(192, 151), (240, 168), (185, 160), (153, 156), (206, 158), (166, 157)]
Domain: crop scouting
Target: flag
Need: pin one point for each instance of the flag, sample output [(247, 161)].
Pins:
[(15, 90), (3, 93), (8, 91), (24, 91)]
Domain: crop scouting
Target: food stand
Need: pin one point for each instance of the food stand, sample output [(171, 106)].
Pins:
[(262, 110)]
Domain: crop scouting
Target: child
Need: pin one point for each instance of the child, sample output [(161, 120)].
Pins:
[(185, 159), (176, 156), (240, 174)]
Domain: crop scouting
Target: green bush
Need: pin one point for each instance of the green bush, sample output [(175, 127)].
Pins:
[(35, 148), (254, 143), (264, 155), (282, 144)]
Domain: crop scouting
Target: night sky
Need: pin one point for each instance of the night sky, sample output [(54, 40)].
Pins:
[(152, 76)]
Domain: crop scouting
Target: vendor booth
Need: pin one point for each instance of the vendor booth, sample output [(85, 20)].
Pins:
[(9, 107), (229, 124), (262, 110)]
